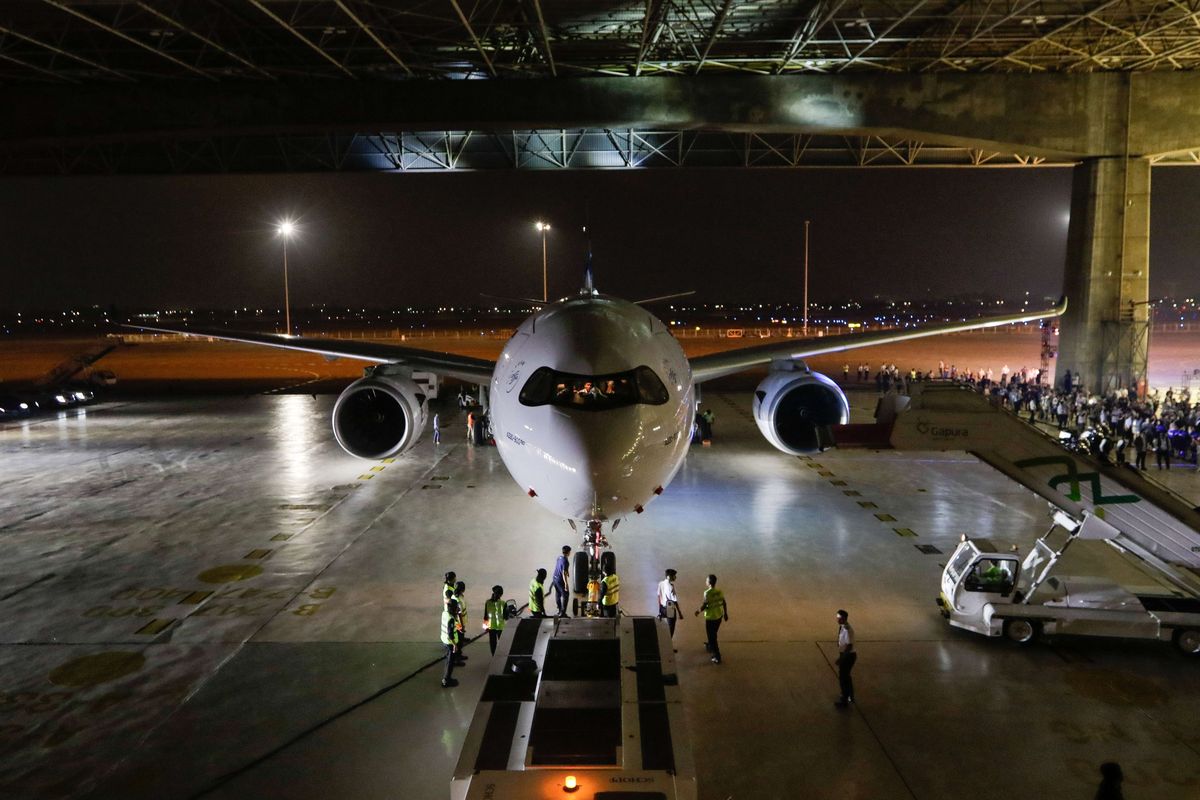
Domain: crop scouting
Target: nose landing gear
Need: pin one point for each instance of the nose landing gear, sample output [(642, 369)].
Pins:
[(592, 559)]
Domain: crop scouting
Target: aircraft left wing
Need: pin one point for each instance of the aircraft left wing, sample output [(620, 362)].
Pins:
[(716, 365), (464, 368)]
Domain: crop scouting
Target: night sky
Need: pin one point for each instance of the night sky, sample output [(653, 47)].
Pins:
[(392, 240)]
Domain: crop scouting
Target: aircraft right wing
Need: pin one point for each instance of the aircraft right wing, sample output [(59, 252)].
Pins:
[(716, 365), (450, 365)]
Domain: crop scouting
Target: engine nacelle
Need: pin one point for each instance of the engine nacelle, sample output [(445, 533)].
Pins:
[(380, 415), (795, 408)]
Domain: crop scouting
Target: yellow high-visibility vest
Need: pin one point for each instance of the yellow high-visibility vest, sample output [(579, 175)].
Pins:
[(535, 605), (612, 590), (495, 614)]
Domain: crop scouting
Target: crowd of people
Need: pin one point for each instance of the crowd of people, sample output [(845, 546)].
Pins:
[(1117, 427)]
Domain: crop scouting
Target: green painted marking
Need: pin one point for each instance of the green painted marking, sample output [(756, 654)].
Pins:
[(1073, 477)]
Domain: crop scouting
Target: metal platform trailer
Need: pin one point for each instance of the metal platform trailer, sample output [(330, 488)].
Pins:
[(988, 590), (579, 708)]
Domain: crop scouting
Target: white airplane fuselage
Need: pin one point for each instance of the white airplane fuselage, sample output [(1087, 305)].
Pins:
[(594, 435)]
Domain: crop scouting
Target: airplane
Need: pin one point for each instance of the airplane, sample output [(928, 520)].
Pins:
[(592, 400)]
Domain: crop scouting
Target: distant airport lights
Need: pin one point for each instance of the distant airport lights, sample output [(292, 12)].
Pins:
[(543, 228), (286, 229)]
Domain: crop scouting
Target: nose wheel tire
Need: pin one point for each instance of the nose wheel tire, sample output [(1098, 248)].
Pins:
[(579, 572), (1021, 631), (1188, 641)]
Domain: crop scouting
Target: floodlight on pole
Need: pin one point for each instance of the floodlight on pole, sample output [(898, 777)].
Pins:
[(806, 278), (285, 229), (544, 227)]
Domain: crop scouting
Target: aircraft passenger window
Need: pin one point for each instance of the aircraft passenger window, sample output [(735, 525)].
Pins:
[(593, 392)]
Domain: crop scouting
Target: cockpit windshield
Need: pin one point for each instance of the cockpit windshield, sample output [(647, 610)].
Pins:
[(593, 392)]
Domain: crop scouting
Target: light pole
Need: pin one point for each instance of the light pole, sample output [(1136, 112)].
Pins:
[(806, 279), (544, 227), (285, 229)]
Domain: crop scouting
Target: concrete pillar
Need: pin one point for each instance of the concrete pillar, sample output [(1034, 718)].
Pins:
[(1103, 337)]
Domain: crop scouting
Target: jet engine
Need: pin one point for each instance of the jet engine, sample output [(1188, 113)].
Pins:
[(795, 408), (379, 415)]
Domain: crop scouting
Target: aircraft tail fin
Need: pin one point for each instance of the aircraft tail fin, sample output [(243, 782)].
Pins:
[(589, 286)]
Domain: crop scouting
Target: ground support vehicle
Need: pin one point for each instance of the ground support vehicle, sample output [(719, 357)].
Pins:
[(579, 707), (988, 590)]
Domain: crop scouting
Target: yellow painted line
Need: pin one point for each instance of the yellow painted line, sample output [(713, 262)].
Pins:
[(885, 517), (388, 461), (378, 469), (257, 554), (814, 465), (195, 598), (852, 493), (156, 626), (281, 537), (366, 477), (837, 483), (867, 504), (825, 473), (905, 531)]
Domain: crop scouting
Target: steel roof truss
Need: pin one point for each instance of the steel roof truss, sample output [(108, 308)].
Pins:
[(341, 4), (475, 39), (203, 39), (126, 37), (287, 26), (60, 51), (809, 30), (912, 9)]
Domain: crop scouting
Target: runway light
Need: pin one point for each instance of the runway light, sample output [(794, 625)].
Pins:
[(570, 784)]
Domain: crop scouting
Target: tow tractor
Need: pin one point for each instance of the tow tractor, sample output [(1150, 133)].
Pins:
[(989, 590)]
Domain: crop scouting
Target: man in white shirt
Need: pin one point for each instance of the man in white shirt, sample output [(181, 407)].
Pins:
[(845, 660), (668, 602)]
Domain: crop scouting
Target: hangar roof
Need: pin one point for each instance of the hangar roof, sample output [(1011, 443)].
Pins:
[(193, 40), (67, 63)]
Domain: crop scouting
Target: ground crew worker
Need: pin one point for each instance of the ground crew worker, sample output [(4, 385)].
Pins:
[(493, 617), (437, 430), (562, 574), (845, 660), (449, 640), (668, 601), (715, 610), (537, 595), (610, 593), (470, 427), (460, 592), (448, 586)]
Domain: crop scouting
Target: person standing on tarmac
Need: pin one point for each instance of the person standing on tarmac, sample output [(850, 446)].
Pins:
[(437, 430), (493, 617), (845, 660), (460, 597), (610, 593), (668, 601), (537, 595), (448, 584), (562, 574), (715, 611), (450, 638), (470, 427)]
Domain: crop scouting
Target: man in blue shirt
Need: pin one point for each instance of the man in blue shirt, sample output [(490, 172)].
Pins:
[(562, 574)]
